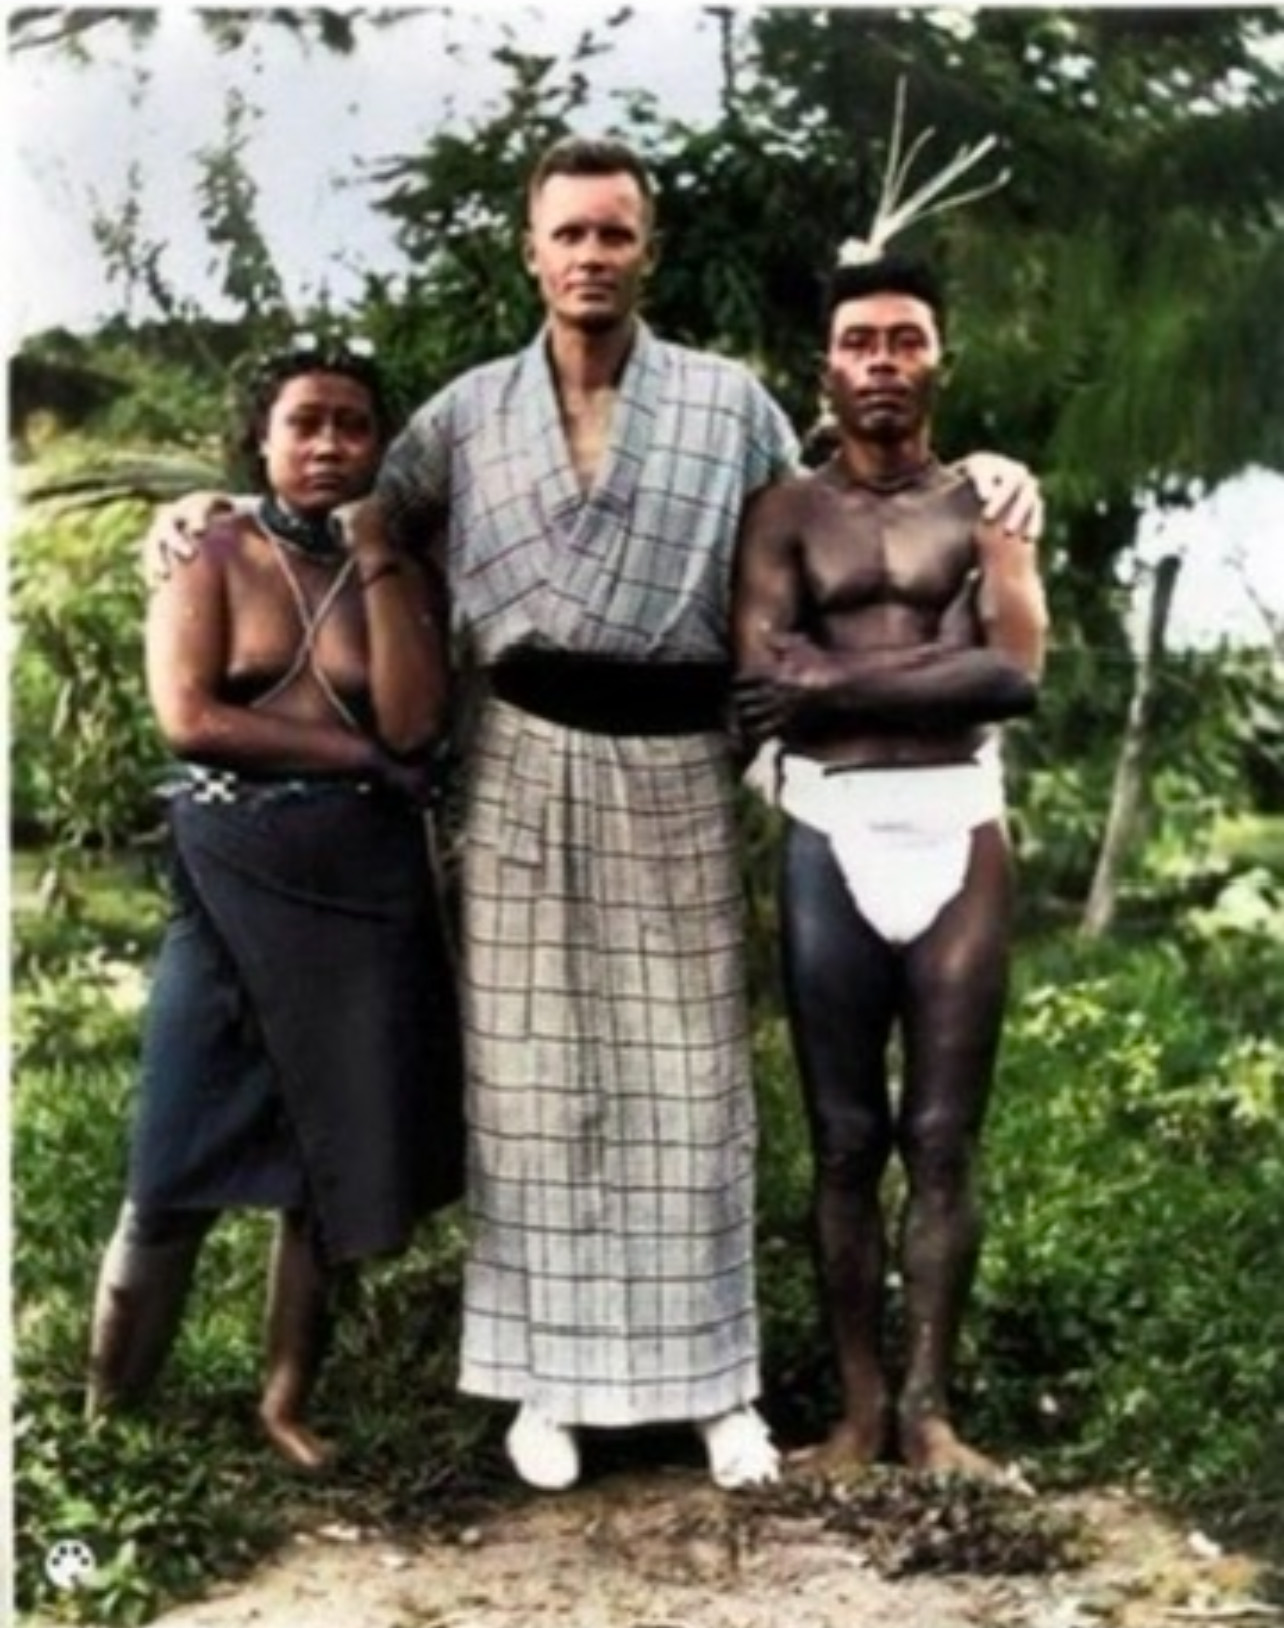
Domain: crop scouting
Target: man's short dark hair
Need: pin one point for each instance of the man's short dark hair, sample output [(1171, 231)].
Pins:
[(592, 155), (891, 274)]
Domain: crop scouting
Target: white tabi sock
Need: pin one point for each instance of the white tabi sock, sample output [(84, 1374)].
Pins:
[(544, 1453), (740, 1449)]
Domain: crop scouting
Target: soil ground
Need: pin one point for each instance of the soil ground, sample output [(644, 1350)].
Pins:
[(663, 1549)]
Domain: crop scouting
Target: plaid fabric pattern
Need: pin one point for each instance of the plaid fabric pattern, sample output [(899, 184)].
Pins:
[(638, 567), (610, 1107), (611, 1120)]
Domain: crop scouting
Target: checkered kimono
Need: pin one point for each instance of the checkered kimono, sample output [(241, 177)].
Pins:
[(611, 1116)]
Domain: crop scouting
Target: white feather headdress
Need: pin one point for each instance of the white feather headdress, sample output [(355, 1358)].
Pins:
[(896, 211)]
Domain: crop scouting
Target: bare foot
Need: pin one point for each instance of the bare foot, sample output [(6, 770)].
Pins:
[(853, 1444), (296, 1443), (931, 1445)]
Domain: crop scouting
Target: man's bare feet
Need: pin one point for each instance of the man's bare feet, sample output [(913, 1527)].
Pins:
[(853, 1444), (296, 1443), (930, 1444)]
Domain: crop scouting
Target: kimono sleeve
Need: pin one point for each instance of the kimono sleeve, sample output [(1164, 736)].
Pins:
[(772, 451)]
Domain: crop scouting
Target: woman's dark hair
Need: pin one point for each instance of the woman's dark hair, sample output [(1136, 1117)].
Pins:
[(268, 377)]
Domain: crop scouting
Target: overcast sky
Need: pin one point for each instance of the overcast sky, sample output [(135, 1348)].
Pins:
[(325, 120), (74, 133)]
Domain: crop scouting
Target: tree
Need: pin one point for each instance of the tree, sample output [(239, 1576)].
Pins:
[(1135, 252), (70, 29), (1125, 800), (1113, 302), (458, 206)]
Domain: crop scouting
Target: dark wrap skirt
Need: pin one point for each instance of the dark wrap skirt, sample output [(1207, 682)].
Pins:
[(302, 1038)]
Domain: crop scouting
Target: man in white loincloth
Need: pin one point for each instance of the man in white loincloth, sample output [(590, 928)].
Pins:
[(882, 629)]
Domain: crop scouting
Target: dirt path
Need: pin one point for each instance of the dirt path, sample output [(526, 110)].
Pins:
[(664, 1550)]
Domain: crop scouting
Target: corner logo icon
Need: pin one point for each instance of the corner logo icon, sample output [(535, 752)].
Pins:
[(70, 1563)]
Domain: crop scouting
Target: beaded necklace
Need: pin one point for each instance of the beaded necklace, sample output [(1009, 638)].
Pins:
[(316, 536)]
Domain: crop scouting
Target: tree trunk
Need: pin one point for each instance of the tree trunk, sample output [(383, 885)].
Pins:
[(1125, 800)]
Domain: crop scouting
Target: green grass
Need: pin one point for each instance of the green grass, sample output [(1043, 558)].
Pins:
[(1135, 1184)]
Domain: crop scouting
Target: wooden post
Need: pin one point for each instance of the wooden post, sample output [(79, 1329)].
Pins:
[(1129, 785)]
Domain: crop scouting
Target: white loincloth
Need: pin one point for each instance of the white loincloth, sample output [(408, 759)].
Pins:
[(902, 837)]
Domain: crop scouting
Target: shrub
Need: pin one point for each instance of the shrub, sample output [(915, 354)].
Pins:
[(86, 750), (1128, 1312)]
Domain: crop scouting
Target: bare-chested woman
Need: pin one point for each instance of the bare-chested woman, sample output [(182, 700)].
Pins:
[(301, 1050), (881, 629)]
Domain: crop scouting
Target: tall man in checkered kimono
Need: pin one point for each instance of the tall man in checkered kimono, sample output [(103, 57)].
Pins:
[(590, 489)]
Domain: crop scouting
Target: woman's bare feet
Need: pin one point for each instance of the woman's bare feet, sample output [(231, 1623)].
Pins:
[(297, 1444)]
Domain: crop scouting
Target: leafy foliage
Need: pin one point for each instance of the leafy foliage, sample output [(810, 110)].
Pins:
[(459, 209), (1215, 751), (1119, 265), (66, 29), (86, 753), (1135, 1178), (1134, 251), (1083, 302), (227, 198)]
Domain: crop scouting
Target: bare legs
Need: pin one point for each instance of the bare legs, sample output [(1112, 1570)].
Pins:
[(298, 1327), (845, 989), (956, 991), (142, 1289), (841, 992)]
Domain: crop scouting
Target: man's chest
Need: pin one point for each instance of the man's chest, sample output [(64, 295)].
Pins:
[(587, 427), (860, 549)]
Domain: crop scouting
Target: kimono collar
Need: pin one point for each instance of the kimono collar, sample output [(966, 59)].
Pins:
[(638, 362), (638, 395)]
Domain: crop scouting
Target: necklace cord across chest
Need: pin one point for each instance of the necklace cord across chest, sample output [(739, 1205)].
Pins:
[(310, 620)]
